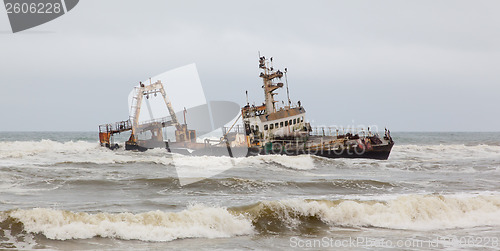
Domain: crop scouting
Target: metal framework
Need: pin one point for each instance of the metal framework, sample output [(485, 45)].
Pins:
[(106, 131)]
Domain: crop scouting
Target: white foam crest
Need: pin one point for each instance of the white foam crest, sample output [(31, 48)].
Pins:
[(197, 221), (415, 212), (300, 162), (445, 152), (19, 149), (52, 152)]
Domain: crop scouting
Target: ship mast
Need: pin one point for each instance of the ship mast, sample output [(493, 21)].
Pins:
[(269, 86)]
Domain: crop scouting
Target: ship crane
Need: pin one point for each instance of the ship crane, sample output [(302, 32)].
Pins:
[(182, 134)]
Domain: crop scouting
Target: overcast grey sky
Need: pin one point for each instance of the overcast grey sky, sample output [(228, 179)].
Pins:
[(408, 65)]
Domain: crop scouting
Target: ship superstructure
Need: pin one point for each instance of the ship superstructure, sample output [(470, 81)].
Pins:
[(271, 129), (268, 121)]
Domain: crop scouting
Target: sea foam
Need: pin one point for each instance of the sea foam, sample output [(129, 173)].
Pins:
[(48, 152), (195, 222), (415, 212)]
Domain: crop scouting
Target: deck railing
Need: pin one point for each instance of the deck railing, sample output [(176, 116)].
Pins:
[(317, 131), (336, 131), (116, 127)]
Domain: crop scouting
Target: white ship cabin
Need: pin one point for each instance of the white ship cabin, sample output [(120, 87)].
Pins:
[(284, 122), (267, 121)]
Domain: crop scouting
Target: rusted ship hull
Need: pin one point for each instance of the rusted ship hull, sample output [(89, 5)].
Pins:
[(377, 152)]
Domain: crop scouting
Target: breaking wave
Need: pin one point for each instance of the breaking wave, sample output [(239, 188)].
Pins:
[(48, 152), (195, 222), (301, 162), (19, 149), (459, 151), (414, 212)]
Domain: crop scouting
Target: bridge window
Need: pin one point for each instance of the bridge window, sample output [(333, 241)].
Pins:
[(265, 127), (290, 122), (271, 126), (256, 127), (286, 123), (281, 124), (276, 125), (294, 121)]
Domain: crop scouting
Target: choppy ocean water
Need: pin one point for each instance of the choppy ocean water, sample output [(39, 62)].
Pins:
[(63, 191)]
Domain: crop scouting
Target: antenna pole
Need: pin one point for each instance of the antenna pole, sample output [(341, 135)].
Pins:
[(287, 92), (185, 115)]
